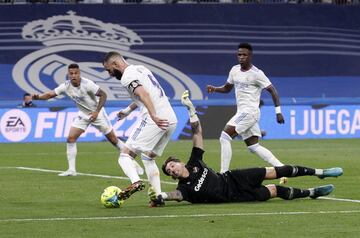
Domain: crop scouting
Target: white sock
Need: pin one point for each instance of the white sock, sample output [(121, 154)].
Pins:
[(152, 172), (120, 144), (264, 154), (319, 171), (126, 164), (71, 152), (226, 151), (138, 167)]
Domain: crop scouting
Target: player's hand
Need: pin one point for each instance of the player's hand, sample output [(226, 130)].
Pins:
[(280, 118), (124, 113), (185, 100), (121, 115), (162, 123), (152, 193), (35, 97), (210, 88), (93, 115), (155, 200)]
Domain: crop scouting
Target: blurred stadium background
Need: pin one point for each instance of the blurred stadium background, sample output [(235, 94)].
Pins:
[(309, 51)]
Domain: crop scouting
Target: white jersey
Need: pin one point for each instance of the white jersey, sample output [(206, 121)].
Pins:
[(138, 74), (84, 95), (248, 87)]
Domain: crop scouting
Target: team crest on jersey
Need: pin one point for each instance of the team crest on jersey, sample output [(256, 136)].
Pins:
[(71, 38), (195, 169)]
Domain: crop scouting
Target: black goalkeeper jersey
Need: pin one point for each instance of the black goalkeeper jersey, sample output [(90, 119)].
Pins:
[(204, 185)]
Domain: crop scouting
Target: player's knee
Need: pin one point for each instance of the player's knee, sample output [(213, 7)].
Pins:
[(253, 148), (148, 156), (225, 138), (272, 190), (71, 139)]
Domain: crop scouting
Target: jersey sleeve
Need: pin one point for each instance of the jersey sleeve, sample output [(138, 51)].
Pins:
[(92, 87), (230, 78), (60, 89), (196, 154), (262, 80), (131, 82)]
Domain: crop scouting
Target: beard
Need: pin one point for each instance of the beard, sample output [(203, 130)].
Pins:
[(117, 74)]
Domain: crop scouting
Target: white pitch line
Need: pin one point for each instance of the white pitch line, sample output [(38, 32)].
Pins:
[(177, 216), (84, 174), (339, 199)]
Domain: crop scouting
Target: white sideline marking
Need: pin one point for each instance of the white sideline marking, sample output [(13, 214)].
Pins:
[(339, 199), (83, 174), (175, 216)]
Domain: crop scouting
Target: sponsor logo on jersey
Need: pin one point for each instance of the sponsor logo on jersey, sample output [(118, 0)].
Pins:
[(201, 180)]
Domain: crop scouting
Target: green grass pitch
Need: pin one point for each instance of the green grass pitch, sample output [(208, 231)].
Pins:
[(37, 203)]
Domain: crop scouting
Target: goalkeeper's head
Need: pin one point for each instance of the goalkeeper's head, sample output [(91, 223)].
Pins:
[(175, 168)]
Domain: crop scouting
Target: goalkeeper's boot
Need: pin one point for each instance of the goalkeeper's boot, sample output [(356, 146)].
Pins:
[(321, 191), (283, 180), (332, 172), (126, 193)]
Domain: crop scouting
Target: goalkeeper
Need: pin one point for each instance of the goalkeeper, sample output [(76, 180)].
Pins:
[(200, 184)]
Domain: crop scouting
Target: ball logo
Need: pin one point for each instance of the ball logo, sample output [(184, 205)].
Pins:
[(15, 125), (68, 38)]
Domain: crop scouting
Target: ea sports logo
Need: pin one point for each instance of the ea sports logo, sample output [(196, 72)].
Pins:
[(15, 125)]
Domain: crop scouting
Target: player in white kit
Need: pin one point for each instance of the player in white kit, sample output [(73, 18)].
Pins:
[(157, 124), (89, 99), (249, 81)]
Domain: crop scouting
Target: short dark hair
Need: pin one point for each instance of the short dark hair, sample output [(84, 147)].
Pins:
[(168, 160), (27, 94), (73, 66), (109, 55), (245, 46)]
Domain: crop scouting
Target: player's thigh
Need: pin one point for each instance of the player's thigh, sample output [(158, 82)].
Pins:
[(252, 131), (144, 137), (242, 121), (102, 123), (248, 177), (79, 123), (164, 140)]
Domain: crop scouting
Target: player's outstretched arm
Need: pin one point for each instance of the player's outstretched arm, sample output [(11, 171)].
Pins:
[(175, 195), (194, 121), (44, 96), (275, 97), (226, 88)]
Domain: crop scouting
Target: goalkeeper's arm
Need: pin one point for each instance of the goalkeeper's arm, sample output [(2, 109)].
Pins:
[(194, 121)]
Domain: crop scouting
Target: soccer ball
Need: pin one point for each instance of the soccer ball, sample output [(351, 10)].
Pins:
[(109, 198)]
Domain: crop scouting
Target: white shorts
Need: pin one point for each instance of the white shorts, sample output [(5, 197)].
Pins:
[(246, 124), (148, 137), (101, 123)]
